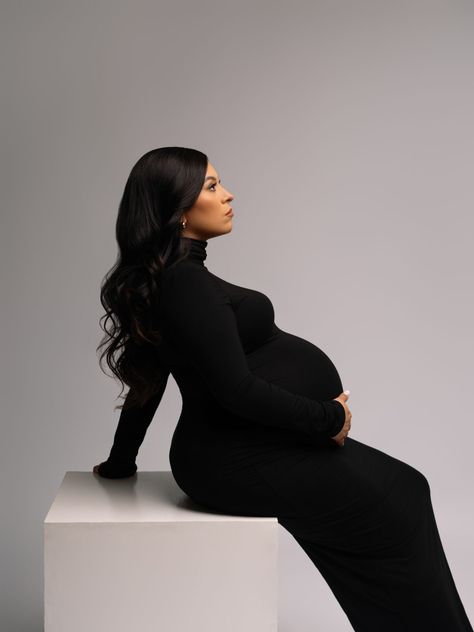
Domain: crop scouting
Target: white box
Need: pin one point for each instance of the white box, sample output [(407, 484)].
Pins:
[(136, 554)]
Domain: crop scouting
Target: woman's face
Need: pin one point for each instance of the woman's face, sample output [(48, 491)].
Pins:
[(208, 216)]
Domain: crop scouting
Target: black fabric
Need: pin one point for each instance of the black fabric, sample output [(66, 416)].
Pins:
[(253, 438)]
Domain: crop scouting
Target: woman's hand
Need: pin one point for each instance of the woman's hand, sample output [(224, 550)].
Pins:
[(115, 470), (342, 434)]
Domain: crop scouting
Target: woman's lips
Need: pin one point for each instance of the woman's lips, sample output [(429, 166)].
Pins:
[(229, 212)]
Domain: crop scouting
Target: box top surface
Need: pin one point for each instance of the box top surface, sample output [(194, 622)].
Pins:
[(147, 497)]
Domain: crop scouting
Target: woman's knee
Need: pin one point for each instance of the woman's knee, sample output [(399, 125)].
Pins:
[(420, 480)]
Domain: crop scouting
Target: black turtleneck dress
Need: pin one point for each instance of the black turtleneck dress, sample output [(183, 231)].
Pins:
[(254, 438)]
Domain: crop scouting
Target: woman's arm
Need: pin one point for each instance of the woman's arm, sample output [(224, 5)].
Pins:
[(131, 430), (202, 323)]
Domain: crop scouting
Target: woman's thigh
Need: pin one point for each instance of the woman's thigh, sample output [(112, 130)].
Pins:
[(356, 495)]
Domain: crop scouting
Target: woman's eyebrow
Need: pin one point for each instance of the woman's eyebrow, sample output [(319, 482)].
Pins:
[(210, 177)]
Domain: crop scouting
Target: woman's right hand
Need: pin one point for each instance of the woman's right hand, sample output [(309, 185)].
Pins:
[(106, 469), (342, 434)]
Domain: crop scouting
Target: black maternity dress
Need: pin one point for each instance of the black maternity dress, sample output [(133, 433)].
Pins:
[(253, 438)]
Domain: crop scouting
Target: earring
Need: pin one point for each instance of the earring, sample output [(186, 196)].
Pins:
[(183, 224)]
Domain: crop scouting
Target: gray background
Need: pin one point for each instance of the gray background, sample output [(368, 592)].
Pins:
[(344, 131)]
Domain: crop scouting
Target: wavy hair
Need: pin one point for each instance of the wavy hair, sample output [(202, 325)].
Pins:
[(162, 184)]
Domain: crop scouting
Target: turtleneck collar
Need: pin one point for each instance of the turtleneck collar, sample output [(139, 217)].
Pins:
[(197, 252)]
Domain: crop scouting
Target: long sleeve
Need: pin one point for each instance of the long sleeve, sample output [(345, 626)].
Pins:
[(202, 323), (131, 430)]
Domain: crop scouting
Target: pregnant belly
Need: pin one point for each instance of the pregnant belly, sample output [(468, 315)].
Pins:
[(297, 365), (215, 440)]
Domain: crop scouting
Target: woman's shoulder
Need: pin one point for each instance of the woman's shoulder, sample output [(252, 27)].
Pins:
[(184, 273), (185, 269), (193, 280)]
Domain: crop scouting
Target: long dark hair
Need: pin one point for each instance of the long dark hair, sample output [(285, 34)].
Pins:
[(162, 184)]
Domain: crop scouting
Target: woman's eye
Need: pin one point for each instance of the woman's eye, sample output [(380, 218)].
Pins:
[(212, 185)]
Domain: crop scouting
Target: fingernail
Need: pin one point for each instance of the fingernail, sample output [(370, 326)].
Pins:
[(347, 392)]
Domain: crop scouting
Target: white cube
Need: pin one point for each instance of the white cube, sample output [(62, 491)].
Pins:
[(136, 554)]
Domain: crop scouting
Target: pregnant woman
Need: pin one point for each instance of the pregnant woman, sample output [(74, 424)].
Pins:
[(264, 422)]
